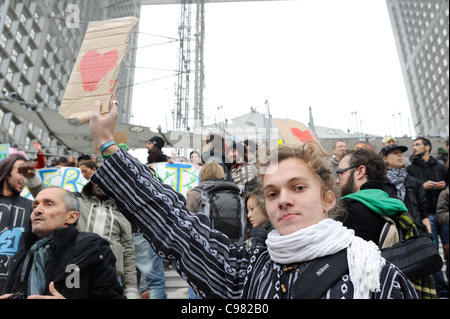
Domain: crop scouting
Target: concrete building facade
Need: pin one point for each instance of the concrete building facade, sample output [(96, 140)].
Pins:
[(39, 44), (421, 31)]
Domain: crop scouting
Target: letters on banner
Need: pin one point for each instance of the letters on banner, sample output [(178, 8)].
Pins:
[(180, 176)]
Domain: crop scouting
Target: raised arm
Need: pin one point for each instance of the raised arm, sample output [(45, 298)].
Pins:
[(202, 256)]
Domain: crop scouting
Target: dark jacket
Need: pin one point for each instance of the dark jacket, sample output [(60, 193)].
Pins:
[(14, 220), (432, 170), (15, 214), (162, 158), (259, 235), (366, 223), (81, 256), (415, 199)]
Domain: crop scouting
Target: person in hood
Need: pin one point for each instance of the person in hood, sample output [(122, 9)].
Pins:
[(15, 211), (361, 178)]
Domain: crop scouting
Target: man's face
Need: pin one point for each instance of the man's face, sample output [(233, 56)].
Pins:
[(15, 181), (419, 149), (346, 180), (293, 196), (394, 159), (341, 147), (50, 212)]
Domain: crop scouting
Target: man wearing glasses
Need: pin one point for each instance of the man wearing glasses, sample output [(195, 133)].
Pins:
[(361, 178)]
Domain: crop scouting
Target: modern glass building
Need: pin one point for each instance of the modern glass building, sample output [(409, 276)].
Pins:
[(422, 37)]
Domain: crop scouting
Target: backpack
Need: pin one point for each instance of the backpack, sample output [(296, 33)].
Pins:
[(413, 251), (223, 203)]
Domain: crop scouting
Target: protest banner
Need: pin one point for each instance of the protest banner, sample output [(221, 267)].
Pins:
[(180, 176), (94, 76), (69, 178)]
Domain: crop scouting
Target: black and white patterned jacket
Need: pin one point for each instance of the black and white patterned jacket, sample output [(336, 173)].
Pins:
[(202, 256)]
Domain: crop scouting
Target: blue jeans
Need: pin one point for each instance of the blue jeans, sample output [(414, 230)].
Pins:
[(151, 268), (191, 294), (441, 231)]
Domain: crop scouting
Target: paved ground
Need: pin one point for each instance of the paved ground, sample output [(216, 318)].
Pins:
[(176, 287)]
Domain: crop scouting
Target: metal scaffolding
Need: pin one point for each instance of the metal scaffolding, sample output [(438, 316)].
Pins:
[(182, 119), (199, 66)]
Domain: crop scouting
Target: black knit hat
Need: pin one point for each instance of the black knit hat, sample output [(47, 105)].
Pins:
[(159, 142)]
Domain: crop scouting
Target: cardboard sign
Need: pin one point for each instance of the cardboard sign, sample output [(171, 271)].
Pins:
[(294, 132), (180, 176), (94, 76), (69, 178)]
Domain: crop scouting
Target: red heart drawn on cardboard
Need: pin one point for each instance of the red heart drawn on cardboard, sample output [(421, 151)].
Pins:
[(303, 136), (95, 66)]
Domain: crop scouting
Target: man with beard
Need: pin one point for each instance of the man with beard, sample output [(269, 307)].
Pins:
[(14, 211), (432, 174), (361, 178), (155, 154)]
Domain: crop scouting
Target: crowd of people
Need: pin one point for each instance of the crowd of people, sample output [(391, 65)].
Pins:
[(306, 209)]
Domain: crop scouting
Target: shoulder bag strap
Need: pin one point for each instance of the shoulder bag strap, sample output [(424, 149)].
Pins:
[(320, 275)]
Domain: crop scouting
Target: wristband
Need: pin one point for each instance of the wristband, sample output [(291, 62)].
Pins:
[(106, 145)]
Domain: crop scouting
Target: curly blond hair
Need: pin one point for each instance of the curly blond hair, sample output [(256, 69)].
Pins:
[(319, 163)]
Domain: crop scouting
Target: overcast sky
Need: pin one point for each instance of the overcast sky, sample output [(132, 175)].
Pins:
[(336, 56)]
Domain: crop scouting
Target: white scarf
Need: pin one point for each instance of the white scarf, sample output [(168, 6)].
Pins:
[(325, 238)]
